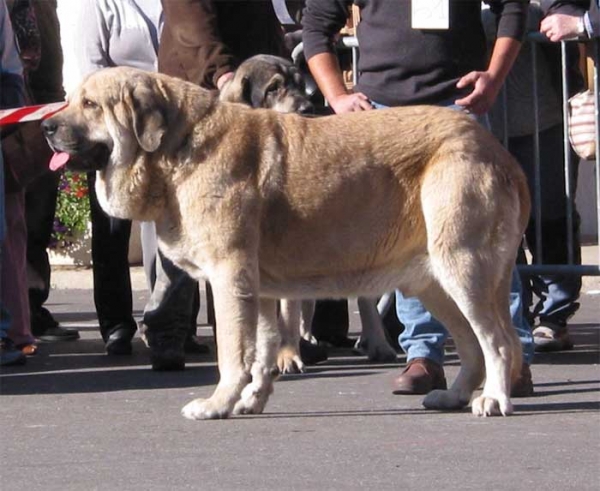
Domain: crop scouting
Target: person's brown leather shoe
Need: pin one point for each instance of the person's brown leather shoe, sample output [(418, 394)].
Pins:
[(420, 376)]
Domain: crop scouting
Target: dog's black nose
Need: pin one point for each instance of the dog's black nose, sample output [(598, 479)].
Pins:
[(49, 127)]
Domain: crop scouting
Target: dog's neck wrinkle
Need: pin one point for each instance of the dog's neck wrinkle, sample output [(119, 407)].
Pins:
[(145, 201), (186, 137)]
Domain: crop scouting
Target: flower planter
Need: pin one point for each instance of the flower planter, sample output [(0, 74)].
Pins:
[(78, 253), (72, 234)]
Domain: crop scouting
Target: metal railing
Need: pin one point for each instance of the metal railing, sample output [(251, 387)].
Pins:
[(570, 268)]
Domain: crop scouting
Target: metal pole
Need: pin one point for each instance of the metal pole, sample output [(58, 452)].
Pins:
[(596, 51), (567, 152), (536, 159)]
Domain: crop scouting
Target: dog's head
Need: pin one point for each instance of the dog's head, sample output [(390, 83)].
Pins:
[(115, 113), (269, 82)]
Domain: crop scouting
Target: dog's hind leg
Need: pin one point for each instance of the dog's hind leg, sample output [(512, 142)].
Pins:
[(485, 405), (372, 339), (473, 232), (288, 358), (471, 373), (264, 369), (476, 285)]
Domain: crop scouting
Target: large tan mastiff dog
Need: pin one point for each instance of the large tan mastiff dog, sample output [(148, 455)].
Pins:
[(268, 206)]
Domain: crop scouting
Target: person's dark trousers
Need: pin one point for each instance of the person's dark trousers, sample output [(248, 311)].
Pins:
[(330, 322), (170, 314), (110, 266), (40, 207), (558, 293)]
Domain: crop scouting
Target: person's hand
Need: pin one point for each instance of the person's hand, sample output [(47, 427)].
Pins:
[(347, 103), (485, 91), (223, 79), (557, 27)]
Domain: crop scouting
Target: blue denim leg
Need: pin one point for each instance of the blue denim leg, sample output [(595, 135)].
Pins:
[(558, 294), (519, 321), (423, 335)]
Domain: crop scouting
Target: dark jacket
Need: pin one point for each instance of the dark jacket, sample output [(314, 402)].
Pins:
[(202, 40), (46, 82), (399, 65)]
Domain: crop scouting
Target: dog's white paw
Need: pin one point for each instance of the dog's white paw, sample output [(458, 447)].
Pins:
[(254, 399), (379, 352), (491, 406), (205, 409), (445, 399), (289, 361)]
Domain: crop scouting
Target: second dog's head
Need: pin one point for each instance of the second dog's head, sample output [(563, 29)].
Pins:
[(269, 82)]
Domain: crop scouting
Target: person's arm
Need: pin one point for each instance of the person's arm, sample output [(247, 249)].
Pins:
[(512, 25), (195, 32), (486, 85), (84, 39), (327, 73), (322, 20), (571, 19)]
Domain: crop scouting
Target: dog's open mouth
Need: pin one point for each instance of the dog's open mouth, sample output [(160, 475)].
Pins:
[(94, 159)]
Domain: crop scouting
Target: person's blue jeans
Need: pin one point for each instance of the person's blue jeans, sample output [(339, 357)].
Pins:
[(558, 294), (424, 336)]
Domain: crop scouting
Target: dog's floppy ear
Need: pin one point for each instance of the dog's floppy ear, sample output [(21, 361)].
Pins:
[(238, 89), (297, 77), (148, 119), (246, 91)]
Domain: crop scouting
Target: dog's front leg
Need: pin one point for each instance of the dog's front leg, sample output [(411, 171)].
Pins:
[(236, 309), (264, 369)]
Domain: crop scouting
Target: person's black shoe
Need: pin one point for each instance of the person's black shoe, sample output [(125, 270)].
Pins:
[(46, 328), (119, 342), (194, 346), (167, 350), (58, 333), (312, 354), (338, 341)]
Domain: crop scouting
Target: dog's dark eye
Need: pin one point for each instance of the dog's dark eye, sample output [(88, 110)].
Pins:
[(89, 104), (272, 88)]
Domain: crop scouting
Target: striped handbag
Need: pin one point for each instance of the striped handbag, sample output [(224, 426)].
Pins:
[(582, 124)]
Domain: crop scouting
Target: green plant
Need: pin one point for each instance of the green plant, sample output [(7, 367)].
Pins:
[(72, 211)]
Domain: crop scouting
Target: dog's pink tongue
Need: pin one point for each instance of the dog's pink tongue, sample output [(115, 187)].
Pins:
[(58, 160)]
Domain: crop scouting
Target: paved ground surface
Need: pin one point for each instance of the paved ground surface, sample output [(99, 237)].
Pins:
[(75, 419)]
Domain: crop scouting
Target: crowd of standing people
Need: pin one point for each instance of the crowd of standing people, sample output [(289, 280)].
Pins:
[(463, 65)]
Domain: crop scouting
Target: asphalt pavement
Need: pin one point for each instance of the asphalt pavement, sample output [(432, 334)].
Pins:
[(75, 419)]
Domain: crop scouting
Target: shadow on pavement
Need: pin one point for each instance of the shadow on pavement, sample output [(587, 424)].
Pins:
[(80, 381), (553, 407)]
